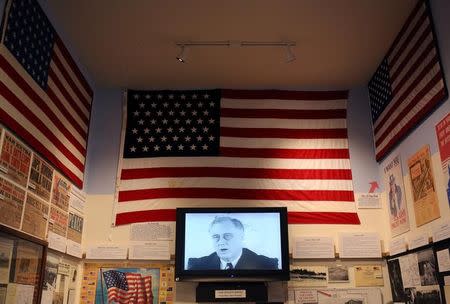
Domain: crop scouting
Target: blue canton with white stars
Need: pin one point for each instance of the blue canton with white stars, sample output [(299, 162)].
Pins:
[(380, 91), (115, 278), (29, 36), (172, 123)]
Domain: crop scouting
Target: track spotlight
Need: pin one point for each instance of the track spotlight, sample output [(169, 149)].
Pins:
[(289, 54), (182, 55)]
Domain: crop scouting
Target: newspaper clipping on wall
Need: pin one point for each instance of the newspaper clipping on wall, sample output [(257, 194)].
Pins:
[(41, 175), (61, 191), (426, 205), (35, 217), (11, 203), (75, 227), (15, 160), (58, 221), (396, 199)]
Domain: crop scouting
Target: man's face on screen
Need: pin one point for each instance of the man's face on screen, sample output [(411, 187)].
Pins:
[(227, 240)]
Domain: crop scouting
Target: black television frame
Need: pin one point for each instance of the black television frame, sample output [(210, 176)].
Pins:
[(236, 275)]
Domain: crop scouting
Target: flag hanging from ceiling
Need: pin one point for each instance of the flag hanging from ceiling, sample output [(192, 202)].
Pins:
[(44, 98), (408, 84), (236, 149)]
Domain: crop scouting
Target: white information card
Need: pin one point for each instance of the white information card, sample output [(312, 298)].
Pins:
[(313, 248), (107, 252), (360, 245)]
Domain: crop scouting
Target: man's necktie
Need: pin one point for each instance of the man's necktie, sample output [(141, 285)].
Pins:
[(229, 266)]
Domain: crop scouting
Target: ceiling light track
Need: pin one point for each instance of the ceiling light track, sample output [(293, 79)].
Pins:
[(183, 45)]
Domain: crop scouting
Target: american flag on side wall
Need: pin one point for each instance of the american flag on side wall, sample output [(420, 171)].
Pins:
[(44, 98), (128, 287), (235, 148), (408, 84)]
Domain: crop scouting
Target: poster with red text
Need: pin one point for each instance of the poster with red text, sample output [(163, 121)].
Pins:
[(443, 138), (15, 160), (396, 200)]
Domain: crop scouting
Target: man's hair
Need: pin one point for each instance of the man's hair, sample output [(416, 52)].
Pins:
[(221, 219)]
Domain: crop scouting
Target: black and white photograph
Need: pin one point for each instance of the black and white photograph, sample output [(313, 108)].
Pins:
[(423, 295), (51, 273), (427, 267), (395, 278), (233, 241), (338, 274), (308, 275)]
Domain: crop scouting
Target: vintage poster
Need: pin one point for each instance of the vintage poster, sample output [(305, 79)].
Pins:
[(41, 176), (28, 260), (12, 199), (368, 275), (308, 275), (158, 279), (443, 139), (15, 160), (426, 205), (6, 249), (35, 216), (58, 220), (75, 227), (396, 199), (61, 192)]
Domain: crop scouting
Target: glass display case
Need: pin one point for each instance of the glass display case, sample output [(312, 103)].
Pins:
[(21, 267)]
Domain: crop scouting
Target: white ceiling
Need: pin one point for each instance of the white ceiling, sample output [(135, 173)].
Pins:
[(131, 44)]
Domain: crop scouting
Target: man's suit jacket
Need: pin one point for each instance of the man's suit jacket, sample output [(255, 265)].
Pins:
[(248, 260)]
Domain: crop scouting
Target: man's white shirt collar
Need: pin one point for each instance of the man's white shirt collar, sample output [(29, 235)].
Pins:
[(223, 264)]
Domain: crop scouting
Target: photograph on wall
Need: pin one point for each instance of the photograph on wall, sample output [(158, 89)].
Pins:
[(426, 205), (162, 279), (443, 139), (58, 220), (427, 267), (61, 192), (12, 200), (15, 160), (75, 227), (41, 176), (368, 275), (27, 263), (396, 199), (423, 295), (308, 275), (35, 217), (338, 274), (395, 278), (6, 250), (116, 284), (51, 273)]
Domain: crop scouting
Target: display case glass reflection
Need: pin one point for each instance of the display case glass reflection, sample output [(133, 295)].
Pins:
[(21, 262)]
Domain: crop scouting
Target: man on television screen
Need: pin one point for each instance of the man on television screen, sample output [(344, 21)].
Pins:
[(227, 234)]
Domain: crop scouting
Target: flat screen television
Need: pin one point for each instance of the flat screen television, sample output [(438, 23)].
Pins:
[(231, 244)]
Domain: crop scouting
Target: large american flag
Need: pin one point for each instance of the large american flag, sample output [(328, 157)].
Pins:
[(408, 84), (44, 98), (128, 287), (235, 148)]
